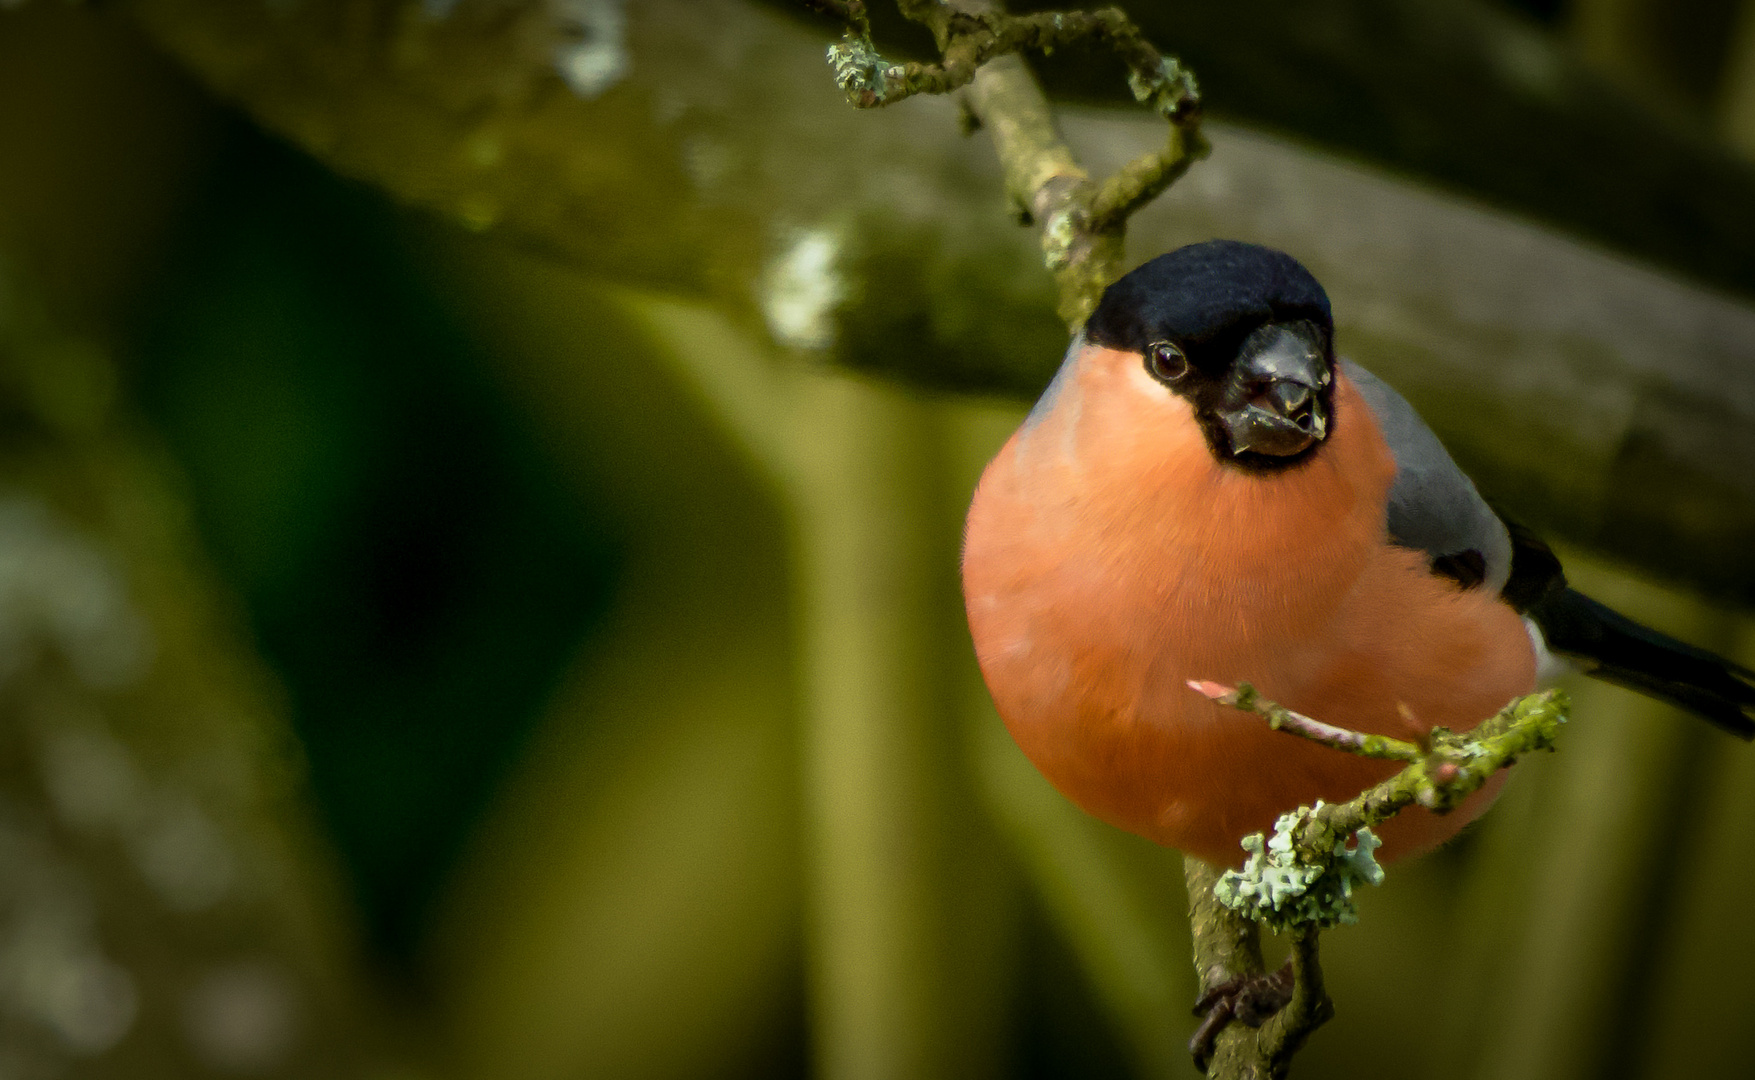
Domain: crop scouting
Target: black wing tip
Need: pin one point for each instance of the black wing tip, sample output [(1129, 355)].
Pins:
[(1730, 714), (1625, 653)]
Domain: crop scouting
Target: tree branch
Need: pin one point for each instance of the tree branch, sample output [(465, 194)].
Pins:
[(1304, 874), (1082, 222), (1147, 176), (968, 39), (1227, 947), (1302, 878)]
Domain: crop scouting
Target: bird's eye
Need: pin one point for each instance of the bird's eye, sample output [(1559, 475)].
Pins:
[(1165, 361)]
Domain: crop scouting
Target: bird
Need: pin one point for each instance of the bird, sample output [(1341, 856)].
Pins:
[(1207, 492)]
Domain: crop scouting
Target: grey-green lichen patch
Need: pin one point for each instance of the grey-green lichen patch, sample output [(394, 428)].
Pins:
[(1171, 90), (862, 74), (1285, 889), (1059, 233)]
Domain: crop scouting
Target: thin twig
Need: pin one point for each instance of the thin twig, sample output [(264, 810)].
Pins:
[(968, 39), (1147, 176), (1082, 222), (1454, 766), (1458, 764), (1280, 718)]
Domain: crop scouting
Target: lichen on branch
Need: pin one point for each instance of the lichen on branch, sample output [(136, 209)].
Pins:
[(969, 39), (1304, 874), (1081, 221), (1285, 886), (1302, 878)]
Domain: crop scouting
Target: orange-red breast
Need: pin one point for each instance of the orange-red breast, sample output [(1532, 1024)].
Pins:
[(1206, 492)]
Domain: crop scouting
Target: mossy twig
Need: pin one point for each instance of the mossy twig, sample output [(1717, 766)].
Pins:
[(1227, 947), (1303, 875), (1082, 221), (1302, 878), (967, 39)]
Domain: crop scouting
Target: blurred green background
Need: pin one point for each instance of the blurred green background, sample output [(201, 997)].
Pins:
[(480, 487)]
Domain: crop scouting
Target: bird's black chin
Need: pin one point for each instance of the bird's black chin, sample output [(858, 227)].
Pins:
[(1276, 397), (1256, 430)]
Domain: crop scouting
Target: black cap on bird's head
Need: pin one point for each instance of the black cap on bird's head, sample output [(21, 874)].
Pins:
[(1244, 333)]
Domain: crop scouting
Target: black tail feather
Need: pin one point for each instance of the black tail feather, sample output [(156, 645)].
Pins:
[(1616, 649)]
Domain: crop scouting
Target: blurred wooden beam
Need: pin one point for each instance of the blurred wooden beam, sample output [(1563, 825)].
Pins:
[(1476, 99), (1610, 403)]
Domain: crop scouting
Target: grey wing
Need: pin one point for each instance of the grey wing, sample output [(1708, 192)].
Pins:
[(1433, 507)]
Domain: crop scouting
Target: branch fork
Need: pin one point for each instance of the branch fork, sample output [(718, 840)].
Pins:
[(1449, 768), (1302, 878), (1082, 221)]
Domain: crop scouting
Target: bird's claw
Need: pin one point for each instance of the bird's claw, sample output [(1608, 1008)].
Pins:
[(1249, 999)]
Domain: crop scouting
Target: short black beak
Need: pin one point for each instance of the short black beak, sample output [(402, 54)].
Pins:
[(1273, 401)]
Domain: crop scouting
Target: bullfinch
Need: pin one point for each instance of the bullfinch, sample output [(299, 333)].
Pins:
[(1206, 492)]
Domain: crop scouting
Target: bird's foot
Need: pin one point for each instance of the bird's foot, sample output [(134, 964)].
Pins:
[(1250, 999)]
